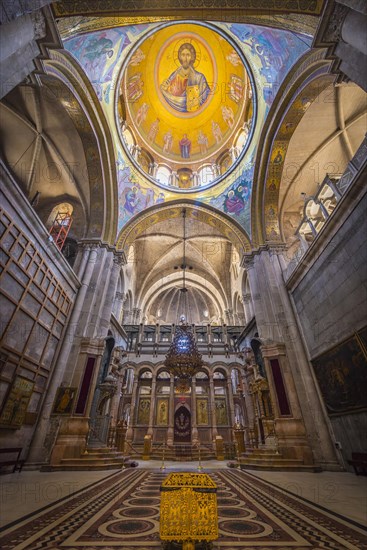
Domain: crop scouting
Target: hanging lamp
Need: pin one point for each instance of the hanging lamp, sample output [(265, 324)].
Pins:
[(183, 359)]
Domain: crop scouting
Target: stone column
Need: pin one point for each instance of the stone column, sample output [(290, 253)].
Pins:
[(153, 167), (194, 427), (72, 437), (152, 404), (170, 431), (136, 316), (195, 179), (231, 418), (104, 321), (134, 398), (81, 260), (212, 407), (229, 316), (279, 332), (23, 24), (137, 152), (66, 361), (249, 405), (247, 307), (342, 31), (233, 153), (118, 305), (210, 338)]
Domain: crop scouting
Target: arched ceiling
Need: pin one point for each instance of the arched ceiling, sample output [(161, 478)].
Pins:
[(156, 252), (325, 140), (168, 306), (45, 153), (270, 54), (328, 129)]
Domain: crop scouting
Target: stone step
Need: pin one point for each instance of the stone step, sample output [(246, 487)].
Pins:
[(272, 460), (257, 456), (101, 455), (260, 451), (282, 467), (90, 461)]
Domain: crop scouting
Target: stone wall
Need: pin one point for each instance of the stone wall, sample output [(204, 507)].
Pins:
[(38, 289), (331, 302)]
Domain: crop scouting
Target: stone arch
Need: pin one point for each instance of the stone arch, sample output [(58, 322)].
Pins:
[(308, 78), (204, 213), (66, 80)]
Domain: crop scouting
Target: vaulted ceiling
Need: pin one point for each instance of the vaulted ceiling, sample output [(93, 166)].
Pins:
[(48, 146)]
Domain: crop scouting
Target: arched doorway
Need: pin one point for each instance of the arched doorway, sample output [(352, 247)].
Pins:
[(182, 425)]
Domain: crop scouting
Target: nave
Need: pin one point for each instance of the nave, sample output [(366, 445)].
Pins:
[(120, 509)]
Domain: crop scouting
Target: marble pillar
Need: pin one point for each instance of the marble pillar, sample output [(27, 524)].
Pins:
[(279, 332), (194, 427)]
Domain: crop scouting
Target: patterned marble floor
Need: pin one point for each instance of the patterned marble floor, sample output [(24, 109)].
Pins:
[(122, 511)]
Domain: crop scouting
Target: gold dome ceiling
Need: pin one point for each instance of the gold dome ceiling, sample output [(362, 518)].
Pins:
[(185, 103)]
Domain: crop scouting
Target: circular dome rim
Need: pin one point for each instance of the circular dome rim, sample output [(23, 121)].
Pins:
[(231, 40)]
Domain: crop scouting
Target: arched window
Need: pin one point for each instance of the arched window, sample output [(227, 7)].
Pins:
[(60, 221), (163, 175), (146, 374), (206, 174)]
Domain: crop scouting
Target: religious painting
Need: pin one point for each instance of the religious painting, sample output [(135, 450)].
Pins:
[(64, 401), (236, 87), (15, 407), (173, 117), (162, 412), (143, 411), (342, 376), (182, 425), (186, 89), (202, 415), (221, 412)]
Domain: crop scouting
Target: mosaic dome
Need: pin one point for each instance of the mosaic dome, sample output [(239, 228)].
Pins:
[(185, 105)]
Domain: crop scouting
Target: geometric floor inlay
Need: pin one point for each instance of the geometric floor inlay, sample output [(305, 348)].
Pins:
[(122, 512)]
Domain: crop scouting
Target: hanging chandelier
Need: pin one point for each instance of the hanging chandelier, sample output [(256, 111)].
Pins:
[(183, 359)]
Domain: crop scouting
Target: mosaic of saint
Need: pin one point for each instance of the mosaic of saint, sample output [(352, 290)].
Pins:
[(184, 97), (186, 89), (186, 139)]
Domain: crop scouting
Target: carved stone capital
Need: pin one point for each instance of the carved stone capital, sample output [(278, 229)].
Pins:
[(119, 258)]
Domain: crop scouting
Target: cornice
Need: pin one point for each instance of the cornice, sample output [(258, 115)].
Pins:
[(247, 260), (197, 8), (89, 243), (70, 26)]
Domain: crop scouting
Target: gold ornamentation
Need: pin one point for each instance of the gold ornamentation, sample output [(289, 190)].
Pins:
[(188, 509)]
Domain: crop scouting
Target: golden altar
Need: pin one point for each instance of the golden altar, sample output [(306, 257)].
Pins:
[(188, 510)]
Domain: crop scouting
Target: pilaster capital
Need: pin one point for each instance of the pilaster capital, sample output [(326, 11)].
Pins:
[(273, 349), (119, 258), (89, 244), (332, 23), (92, 346), (248, 259)]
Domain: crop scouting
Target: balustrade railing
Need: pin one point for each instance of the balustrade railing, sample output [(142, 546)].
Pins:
[(320, 207)]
